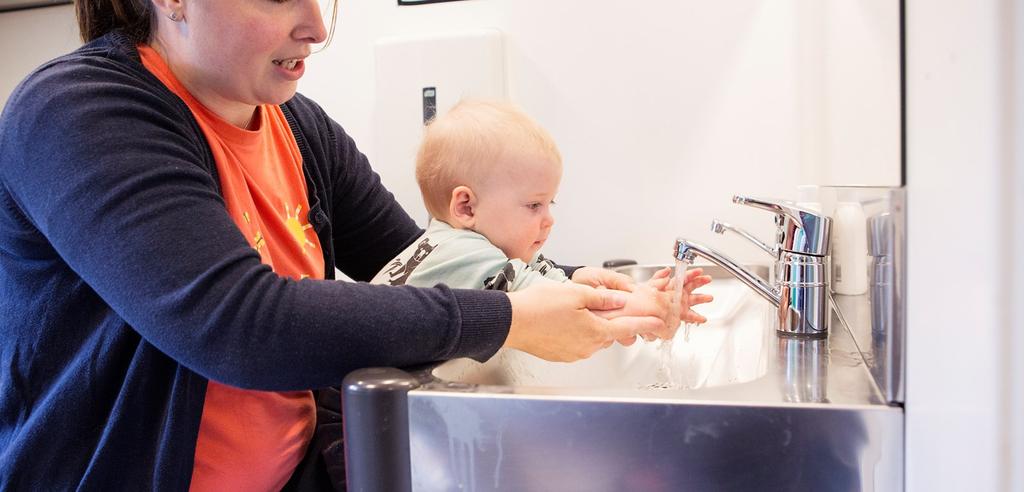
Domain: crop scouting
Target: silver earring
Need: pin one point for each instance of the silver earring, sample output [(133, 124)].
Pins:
[(174, 16)]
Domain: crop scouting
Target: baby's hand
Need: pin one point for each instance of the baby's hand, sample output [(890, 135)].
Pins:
[(662, 282), (647, 300), (654, 298), (693, 280)]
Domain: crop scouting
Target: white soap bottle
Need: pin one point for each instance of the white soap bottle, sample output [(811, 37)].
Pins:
[(849, 249)]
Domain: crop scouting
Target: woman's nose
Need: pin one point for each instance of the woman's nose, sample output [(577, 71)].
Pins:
[(311, 28)]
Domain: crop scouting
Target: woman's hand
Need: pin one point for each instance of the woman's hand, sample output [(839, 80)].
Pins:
[(648, 300), (606, 279), (553, 321), (644, 301)]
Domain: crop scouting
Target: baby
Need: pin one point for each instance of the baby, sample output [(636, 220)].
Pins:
[(489, 175)]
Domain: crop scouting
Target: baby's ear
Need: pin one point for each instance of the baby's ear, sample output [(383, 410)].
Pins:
[(462, 207)]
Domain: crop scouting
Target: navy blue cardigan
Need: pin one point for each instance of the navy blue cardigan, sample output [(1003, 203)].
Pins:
[(125, 285)]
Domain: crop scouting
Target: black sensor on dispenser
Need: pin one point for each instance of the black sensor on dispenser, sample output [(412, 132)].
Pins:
[(429, 104)]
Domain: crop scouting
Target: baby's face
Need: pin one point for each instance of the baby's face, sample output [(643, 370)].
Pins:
[(514, 204)]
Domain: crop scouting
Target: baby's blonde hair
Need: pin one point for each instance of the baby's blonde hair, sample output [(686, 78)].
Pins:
[(459, 147)]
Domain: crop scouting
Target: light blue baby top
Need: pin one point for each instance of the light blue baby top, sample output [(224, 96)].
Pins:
[(463, 259)]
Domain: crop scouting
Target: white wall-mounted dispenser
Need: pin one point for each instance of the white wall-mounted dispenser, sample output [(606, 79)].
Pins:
[(416, 76)]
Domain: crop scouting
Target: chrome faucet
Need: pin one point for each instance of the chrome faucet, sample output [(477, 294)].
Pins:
[(801, 249)]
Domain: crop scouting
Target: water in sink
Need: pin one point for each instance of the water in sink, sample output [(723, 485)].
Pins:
[(677, 292), (664, 377)]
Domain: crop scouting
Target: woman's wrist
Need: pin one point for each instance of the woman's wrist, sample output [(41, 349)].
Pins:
[(486, 320)]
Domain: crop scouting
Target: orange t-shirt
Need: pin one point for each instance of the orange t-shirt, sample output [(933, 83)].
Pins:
[(252, 440)]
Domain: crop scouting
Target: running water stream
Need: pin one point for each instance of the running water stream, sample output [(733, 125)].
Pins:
[(665, 378)]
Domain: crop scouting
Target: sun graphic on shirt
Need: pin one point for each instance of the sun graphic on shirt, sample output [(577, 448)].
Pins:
[(297, 230)]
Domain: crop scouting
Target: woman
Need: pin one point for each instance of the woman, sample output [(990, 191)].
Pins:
[(172, 214)]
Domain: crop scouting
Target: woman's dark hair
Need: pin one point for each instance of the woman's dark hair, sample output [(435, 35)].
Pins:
[(98, 17)]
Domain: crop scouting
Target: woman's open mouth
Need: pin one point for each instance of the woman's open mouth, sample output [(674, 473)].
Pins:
[(291, 67), (288, 64)]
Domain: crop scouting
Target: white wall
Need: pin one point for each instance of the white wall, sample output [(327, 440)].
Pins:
[(30, 37), (663, 109), (965, 136), (1012, 364), (849, 88)]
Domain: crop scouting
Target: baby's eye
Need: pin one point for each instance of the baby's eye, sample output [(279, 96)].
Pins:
[(533, 206)]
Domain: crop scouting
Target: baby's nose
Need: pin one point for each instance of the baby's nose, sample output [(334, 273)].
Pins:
[(549, 220)]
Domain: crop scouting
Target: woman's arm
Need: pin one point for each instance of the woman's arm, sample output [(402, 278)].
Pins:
[(107, 170)]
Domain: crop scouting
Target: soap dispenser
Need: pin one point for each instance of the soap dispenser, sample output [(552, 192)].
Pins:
[(849, 246)]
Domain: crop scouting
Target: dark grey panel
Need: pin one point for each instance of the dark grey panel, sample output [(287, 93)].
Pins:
[(475, 442)]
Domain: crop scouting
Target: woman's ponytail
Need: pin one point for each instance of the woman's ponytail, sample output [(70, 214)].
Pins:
[(98, 17)]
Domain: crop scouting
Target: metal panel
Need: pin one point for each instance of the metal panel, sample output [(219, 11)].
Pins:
[(513, 442), (877, 319)]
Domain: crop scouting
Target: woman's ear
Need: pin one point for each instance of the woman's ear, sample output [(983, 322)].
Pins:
[(462, 208), (171, 9)]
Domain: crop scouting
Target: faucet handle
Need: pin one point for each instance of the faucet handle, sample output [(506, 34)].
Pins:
[(804, 231), (780, 207)]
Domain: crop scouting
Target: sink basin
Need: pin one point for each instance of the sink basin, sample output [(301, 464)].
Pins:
[(730, 348)]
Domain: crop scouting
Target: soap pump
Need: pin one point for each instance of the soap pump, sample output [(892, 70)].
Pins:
[(849, 246)]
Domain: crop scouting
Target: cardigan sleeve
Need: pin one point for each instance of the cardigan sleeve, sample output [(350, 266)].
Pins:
[(105, 168)]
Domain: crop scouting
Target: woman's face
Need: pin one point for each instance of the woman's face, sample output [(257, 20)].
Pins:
[(235, 54)]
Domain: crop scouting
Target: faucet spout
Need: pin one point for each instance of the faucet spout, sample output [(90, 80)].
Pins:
[(686, 250)]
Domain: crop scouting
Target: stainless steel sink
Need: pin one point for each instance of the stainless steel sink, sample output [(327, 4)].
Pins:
[(744, 410)]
